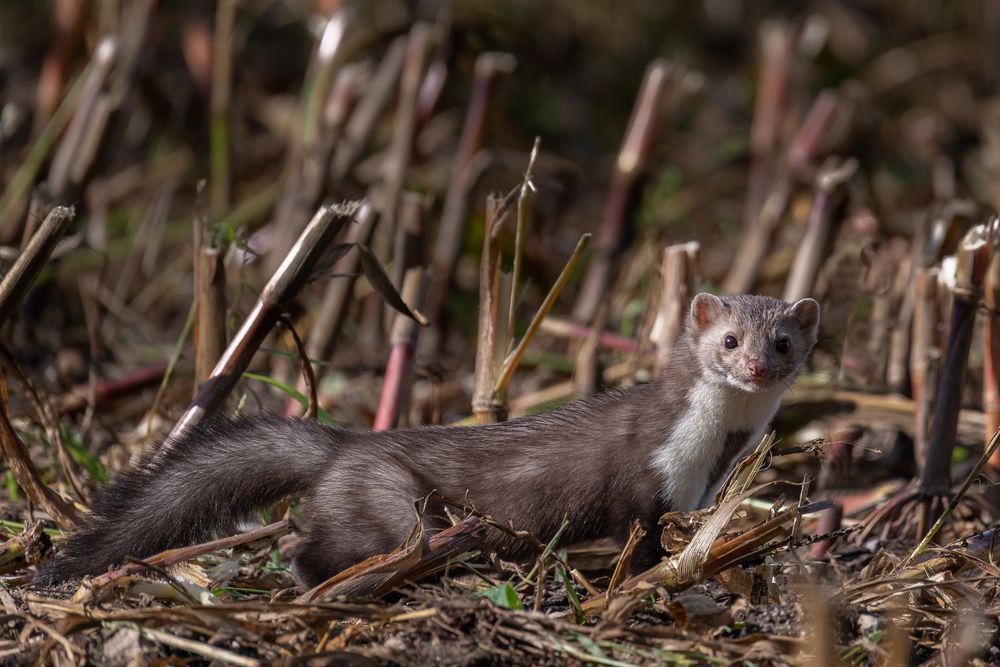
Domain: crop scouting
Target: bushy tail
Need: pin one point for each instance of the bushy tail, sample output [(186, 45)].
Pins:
[(193, 488)]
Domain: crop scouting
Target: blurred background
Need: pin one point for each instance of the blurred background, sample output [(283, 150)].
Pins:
[(826, 134)]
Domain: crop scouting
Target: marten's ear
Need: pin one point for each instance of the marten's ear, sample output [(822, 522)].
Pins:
[(806, 314), (705, 309)]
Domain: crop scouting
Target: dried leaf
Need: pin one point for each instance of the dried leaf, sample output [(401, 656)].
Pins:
[(383, 285), (326, 263)]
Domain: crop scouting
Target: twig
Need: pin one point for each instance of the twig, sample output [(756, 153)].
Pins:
[(308, 159), (990, 450), (777, 47), (399, 153), (26, 474), (308, 375), (525, 210), (407, 249), (222, 75), (59, 173), (199, 648), (561, 328), (484, 407), (829, 522), (296, 270), (336, 298), (362, 123), (395, 388), (830, 179), (813, 139), (991, 344), (47, 415), (90, 589), (451, 231), (380, 575), (20, 183), (632, 158), (624, 560), (973, 260), (925, 325), (680, 263), (514, 358), (210, 300), (20, 277)]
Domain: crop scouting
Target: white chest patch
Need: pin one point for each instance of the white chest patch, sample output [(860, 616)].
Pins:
[(686, 457)]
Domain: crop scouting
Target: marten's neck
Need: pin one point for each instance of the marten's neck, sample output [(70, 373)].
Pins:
[(716, 424)]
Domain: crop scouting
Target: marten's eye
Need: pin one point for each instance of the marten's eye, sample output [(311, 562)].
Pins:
[(730, 342), (783, 346)]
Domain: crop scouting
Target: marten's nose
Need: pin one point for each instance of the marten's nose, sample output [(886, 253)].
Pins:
[(757, 368)]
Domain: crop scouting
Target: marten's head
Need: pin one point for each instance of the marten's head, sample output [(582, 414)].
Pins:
[(752, 343)]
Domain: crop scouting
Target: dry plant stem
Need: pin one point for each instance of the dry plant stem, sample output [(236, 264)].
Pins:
[(777, 46), (973, 260), (991, 351), (901, 337), (588, 374), (396, 387), (561, 328), (525, 210), (563, 390), (59, 172), (394, 169), (924, 341), (92, 589), (26, 474), (222, 75), (210, 299), (822, 120), (199, 648), (20, 277), (511, 362), (291, 276), (107, 390), (13, 553), (485, 410), (408, 246), (613, 232), (431, 88), (337, 298), (812, 248), (398, 159), (991, 449), (757, 239), (68, 20), (812, 138), (829, 521), (680, 263), (621, 567), (768, 188), (210, 330), (454, 215), (707, 553), (306, 168), (47, 416), (308, 164), (132, 34), (981, 546), (362, 123), (380, 575), (21, 182), (308, 376)]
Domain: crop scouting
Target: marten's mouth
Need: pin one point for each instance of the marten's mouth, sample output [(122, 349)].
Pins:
[(755, 384)]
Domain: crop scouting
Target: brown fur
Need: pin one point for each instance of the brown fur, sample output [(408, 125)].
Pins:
[(589, 462)]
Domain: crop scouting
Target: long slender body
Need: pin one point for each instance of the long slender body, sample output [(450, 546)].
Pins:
[(600, 462)]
